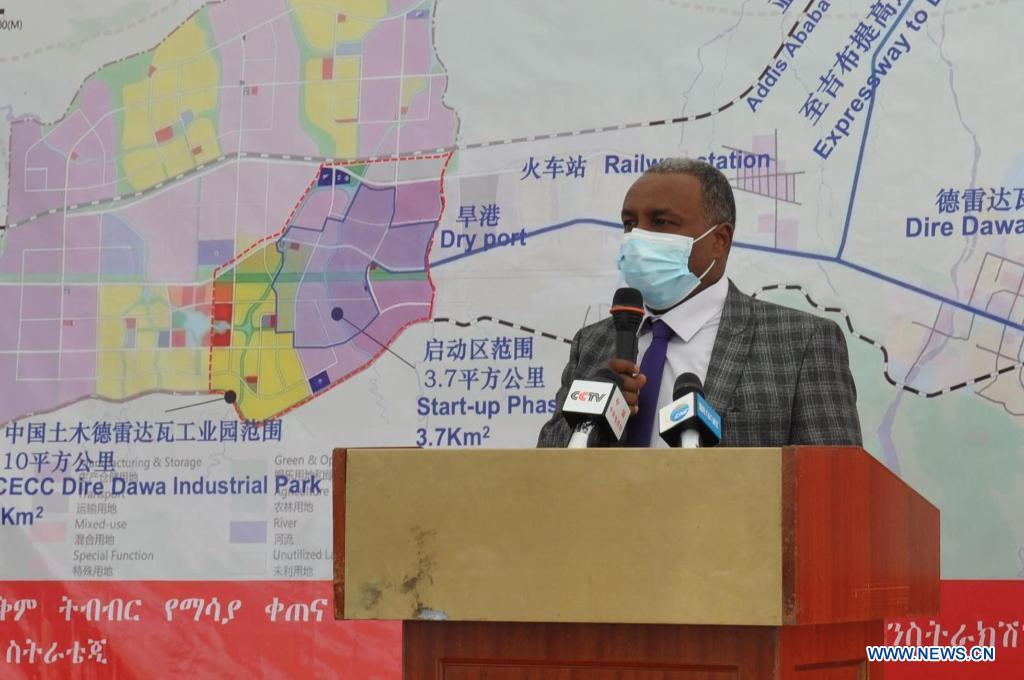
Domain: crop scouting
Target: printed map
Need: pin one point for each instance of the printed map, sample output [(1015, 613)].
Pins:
[(379, 222)]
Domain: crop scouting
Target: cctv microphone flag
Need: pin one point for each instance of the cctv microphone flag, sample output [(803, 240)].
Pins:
[(595, 400)]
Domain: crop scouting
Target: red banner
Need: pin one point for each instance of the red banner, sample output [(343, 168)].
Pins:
[(973, 613), (220, 629), (286, 629)]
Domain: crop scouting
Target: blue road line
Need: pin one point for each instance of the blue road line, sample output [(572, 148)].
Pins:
[(832, 259), (933, 295), (535, 232), (785, 251), (867, 127)]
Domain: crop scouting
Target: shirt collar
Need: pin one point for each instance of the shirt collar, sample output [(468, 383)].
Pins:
[(690, 316)]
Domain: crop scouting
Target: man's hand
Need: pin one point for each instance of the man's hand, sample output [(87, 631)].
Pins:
[(632, 381)]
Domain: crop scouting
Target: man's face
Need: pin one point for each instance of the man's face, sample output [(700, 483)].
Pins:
[(671, 203)]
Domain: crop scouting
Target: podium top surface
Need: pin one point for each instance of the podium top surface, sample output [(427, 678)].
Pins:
[(707, 536)]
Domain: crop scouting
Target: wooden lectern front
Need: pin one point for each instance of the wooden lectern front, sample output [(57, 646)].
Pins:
[(628, 564)]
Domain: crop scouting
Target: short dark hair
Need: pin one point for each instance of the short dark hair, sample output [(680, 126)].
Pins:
[(716, 193)]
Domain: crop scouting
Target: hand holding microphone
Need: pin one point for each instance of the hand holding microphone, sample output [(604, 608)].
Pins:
[(627, 313), (632, 381), (598, 407)]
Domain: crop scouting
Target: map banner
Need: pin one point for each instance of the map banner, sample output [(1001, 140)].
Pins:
[(235, 234)]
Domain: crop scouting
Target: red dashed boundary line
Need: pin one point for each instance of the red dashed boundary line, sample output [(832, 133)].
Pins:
[(433, 289)]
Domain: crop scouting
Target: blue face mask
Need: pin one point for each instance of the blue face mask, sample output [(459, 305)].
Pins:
[(658, 265)]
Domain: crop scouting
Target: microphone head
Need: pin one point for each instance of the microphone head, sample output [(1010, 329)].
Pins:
[(627, 309), (685, 383), (628, 297)]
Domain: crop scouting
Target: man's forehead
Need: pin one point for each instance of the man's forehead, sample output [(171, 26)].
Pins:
[(663, 191)]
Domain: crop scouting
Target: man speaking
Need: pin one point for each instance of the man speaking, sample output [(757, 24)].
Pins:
[(776, 376)]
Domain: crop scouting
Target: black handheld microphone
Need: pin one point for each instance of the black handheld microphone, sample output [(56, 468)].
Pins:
[(595, 407), (689, 421), (627, 312)]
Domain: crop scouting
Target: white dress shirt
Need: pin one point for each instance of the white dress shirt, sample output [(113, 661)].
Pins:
[(695, 327)]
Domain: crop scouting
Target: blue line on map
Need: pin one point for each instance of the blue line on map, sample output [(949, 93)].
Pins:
[(785, 251), (832, 259), (933, 295), (535, 232), (867, 126)]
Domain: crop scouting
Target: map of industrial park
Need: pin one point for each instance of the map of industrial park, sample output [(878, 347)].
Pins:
[(382, 221), (150, 228)]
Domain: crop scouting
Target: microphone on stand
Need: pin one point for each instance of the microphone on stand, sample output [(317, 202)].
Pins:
[(596, 409), (689, 422)]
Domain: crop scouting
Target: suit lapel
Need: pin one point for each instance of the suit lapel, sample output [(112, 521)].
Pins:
[(732, 346)]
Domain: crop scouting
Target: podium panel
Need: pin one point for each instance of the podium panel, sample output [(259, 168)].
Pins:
[(632, 564), (575, 536), (551, 651)]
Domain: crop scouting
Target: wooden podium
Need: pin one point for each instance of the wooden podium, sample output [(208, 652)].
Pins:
[(629, 564)]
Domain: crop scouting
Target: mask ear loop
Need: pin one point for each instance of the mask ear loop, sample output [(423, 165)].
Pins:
[(711, 229)]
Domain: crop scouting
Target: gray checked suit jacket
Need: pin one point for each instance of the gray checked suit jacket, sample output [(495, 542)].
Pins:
[(777, 376)]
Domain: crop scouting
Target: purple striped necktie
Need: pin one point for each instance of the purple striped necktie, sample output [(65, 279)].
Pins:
[(641, 425)]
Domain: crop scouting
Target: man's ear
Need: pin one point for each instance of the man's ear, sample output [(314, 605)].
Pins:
[(722, 239)]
